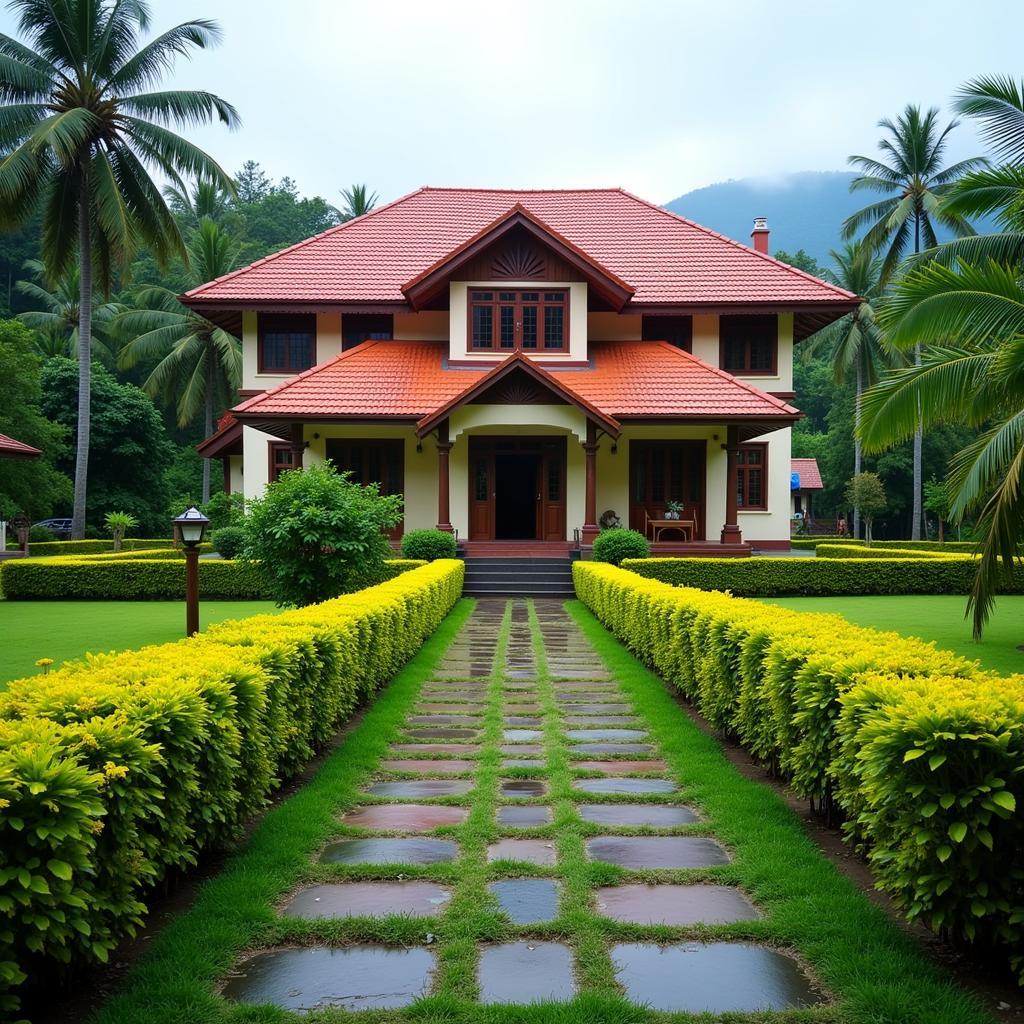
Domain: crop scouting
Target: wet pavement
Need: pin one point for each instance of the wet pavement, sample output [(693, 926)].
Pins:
[(554, 716)]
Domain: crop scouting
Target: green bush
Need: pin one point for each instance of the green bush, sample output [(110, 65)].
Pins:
[(228, 541), (428, 544), (41, 535), (121, 768), (920, 749), (821, 577), (865, 551), (809, 543), (616, 544), (82, 547)]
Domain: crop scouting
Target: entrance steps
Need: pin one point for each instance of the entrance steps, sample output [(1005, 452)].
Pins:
[(518, 576)]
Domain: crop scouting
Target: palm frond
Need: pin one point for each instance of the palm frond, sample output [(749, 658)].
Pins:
[(190, 107), (157, 57), (997, 101)]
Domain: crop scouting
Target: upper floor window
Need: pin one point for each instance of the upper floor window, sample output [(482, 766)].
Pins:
[(749, 345), (751, 477), (676, 330), (528, 320), (359, 327), (286, 342)]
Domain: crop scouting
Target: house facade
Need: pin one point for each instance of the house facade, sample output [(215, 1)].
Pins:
[(519, 364)]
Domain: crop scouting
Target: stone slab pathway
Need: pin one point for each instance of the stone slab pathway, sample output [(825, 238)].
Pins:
[(524, 815)]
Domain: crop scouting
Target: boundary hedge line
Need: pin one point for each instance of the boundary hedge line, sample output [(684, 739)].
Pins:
[(120, 768), (949, 546), (42, 548), (921, 749), (863, 551), (821, 577), (153, 575)]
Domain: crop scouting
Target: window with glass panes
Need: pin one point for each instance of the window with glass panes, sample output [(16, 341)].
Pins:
[(749, 344), (527, 319), (286, 342), (282, 458), (752, 476)]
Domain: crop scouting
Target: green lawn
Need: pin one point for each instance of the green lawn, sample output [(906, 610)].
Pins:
[(938, 618), (68, 629)]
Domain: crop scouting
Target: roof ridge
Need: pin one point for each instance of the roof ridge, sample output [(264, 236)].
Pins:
[(270, 257), (738, 244), (530, 191)]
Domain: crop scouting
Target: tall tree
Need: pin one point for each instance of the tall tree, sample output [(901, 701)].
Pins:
[(81, 127), (914, 181), (854, 342), (358, 200), (200, 366)]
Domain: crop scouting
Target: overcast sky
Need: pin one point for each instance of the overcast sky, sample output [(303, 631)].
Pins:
[(657, 97)]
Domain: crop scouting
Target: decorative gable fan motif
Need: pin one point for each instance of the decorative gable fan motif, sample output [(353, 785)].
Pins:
[(520, 263)]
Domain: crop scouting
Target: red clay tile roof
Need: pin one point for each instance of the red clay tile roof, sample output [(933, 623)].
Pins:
[(12, 449), (810, 475), (665, 258), (410, 380)]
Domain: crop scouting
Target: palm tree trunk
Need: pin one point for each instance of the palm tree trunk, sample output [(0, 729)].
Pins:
[(208, 425), (857, 451), (84, 359), (915, 527)]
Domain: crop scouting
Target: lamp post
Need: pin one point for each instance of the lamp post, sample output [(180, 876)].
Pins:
[(191, 526)]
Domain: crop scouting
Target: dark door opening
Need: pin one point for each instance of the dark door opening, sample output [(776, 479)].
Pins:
[(515, 488)]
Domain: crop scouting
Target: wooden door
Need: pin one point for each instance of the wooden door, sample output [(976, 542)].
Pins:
[(481, 492), (551, 491), (662, 471)]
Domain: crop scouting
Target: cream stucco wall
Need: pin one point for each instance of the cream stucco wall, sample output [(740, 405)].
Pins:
[(430, 325), (328, 345), (773, 524), (256, 460), (236, 482), (458, 304)]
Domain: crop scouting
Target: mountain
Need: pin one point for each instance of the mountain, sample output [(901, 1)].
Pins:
[(804, 210)]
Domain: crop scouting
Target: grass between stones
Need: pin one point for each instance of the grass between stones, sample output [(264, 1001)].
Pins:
[(874, 973)]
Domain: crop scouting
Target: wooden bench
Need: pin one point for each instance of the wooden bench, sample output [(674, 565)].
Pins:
[(686, 523)]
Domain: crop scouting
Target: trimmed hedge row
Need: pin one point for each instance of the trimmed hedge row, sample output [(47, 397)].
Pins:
[(42, 548), (123, 767), (921, 749), (863, 551), (824, 577), (950, 546), (153, 575)]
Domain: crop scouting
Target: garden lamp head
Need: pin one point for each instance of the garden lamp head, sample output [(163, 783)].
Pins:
[(191, 526)]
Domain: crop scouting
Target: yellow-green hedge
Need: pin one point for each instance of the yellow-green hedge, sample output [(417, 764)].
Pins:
[(851, 550), (117, 769), (921, 749), (145, 575)]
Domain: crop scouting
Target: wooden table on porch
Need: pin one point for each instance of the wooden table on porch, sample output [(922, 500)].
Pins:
[(660, 525)]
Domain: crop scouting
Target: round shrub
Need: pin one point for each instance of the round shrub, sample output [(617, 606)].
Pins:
[(228, 541), (428, 545), (616, 544)]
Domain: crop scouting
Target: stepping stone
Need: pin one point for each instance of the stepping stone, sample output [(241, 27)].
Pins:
[(368, 899), (602, 735), (527, 900), (390, 851), (522, 788), (612, 748), (437, 748), (315, 978), (522, 735), (625, 785), (677, 905), (522, 720), (521, 748), (529, 851), (585, 696), (596, 721), (465, 721), (519, 684), (713, 977), (441, 709), (597, 709), (524, 817), (526, 972), (436, 767), (438, 733), (524, 708), (647, 815), (620, 767), (425, 787), (657, 851), (405, 817), (523, 762)]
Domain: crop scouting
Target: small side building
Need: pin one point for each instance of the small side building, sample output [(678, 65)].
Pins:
[(804, 481)]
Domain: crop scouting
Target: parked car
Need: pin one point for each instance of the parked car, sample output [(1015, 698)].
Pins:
[(60, 528)]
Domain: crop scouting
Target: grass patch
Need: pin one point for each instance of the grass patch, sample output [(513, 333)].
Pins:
[(932, 617), (63, 630)]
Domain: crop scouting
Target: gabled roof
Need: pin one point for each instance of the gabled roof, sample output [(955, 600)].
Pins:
[(225, 440), (12, 449), (411, 382), (666, 260), (810, 475)]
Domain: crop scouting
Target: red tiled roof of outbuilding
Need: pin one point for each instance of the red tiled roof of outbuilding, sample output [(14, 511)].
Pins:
[(810, 475), (13, 449)]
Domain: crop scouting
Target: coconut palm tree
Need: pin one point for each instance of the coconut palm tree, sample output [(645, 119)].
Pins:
[(82, 125), (358, 200), (854, 342), (914, 181), (200, 366), (58, 311), (205, 198)]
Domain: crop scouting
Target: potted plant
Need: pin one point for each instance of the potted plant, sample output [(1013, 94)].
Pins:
[(673, 509)]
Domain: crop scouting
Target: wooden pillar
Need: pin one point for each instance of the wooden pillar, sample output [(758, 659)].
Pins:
[(731, 531), (590, 446), (444, 447), (191, 590)]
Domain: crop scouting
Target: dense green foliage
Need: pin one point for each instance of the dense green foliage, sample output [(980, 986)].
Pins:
[(617, 543), (228, 541), (315, 533), (428, 544), (183, 742)]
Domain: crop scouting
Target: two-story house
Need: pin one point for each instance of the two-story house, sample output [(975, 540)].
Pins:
[(518, 363)]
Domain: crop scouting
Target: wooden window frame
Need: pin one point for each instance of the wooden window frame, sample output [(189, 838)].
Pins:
[(272, 323), (274, 471), (742, 471), (495, 304), (729, 322), (677, 331)]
